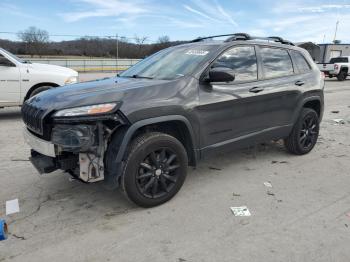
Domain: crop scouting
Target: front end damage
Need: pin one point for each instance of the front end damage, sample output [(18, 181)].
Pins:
[(76, 145)]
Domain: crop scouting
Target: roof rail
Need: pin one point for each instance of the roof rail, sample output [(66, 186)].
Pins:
[(199, 39), (244, 37), (281, 40)]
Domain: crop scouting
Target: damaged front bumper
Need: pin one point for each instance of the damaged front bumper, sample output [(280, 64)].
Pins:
[(77, 149)]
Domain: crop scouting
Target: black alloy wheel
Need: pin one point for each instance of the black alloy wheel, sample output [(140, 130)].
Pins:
[(158, 173), (155, 169), (308, 132), (304, 134)]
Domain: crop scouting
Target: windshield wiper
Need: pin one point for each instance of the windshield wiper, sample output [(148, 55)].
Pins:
[(138, 76)]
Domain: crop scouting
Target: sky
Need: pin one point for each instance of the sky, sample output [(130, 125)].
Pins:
[(297, 21)]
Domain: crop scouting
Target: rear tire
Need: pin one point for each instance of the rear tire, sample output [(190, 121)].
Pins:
[(342, 75), (304, 135), (155, 169)]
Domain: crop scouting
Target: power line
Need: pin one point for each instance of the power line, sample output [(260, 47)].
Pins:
[(82, 36)]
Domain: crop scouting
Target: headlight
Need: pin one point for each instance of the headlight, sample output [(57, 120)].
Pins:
[(71, 80), (86, 110)]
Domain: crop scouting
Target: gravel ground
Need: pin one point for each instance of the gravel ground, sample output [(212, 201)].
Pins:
[(305, 216)]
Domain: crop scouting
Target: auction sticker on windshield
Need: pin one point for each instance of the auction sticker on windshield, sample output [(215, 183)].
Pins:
[(197, 52)]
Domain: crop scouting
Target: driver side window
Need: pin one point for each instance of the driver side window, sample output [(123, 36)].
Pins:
[(242, 60)]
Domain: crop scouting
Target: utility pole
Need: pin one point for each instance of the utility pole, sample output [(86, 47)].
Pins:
[(117, 37), (336, 30)]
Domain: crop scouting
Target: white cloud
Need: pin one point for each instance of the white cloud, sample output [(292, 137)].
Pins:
[(12, 9), (306, 20), (323, 8), (297, 20), (186, 24), (228, 17), (199, 13), (101, 8), (211, 10)]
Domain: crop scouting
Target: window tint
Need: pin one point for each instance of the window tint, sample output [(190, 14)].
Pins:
[(276, 62), (339, 60), (3, 61), (300, 62), (242, 60)]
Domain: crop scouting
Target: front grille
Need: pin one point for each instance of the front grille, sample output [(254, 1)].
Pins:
[(33, 118)]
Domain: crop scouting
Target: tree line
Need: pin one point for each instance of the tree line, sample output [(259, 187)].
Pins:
[(36, 42)]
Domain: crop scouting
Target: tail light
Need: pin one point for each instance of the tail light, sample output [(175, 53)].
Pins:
[(323, 76)]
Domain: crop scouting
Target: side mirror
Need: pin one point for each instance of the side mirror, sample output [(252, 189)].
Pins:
[(6, 62), (221, 74)]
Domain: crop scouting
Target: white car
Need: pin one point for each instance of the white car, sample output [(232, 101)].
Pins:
[(20, 79)]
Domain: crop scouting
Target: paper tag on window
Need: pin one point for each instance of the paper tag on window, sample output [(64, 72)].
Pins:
[(197, 52)]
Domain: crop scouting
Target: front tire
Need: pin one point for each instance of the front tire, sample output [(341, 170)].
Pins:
[(155, 169), (39, 90), (304, 135)]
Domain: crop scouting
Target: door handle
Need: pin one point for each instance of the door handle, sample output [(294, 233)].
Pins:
[(299, 83), (256, 89)]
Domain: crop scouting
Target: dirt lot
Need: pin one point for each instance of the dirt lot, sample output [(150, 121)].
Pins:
[(305, 216)]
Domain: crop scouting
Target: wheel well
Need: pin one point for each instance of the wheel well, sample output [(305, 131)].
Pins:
[(315, 105), (177, 129), (37, 86), (344, 69)]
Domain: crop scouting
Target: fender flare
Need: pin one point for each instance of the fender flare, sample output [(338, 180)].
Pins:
[(134, 127), (304, 101)]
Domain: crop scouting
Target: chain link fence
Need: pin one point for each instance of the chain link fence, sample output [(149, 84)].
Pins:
[(89, 65)]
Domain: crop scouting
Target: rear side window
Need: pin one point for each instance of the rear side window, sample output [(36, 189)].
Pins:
[(300, 62), (242, 60), (276, 62), (339, 60)]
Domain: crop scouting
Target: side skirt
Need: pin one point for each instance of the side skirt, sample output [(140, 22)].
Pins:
[(246, 140)]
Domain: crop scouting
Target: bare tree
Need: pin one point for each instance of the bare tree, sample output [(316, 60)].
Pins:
[(140, 42), (35, 39), (163, 39)]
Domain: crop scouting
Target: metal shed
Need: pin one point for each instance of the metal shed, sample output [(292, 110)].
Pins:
[(312, 48)]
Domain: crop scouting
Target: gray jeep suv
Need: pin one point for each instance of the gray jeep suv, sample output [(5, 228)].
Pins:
[(141, 129)]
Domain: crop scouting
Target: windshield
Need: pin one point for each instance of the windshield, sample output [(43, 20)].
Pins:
[(13, 56), (170, 63), (339, 60)]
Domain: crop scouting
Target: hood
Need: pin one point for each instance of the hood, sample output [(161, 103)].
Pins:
[(53, 69), (98, 92)]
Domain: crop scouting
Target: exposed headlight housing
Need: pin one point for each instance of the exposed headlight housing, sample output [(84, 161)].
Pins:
[(71, 80), (73, 138), (86, 110)]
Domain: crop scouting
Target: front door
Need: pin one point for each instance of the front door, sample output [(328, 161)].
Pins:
[(10, 90), (228, 111)]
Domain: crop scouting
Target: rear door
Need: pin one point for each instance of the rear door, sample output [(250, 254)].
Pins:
[(281, 85), (10, 91)]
